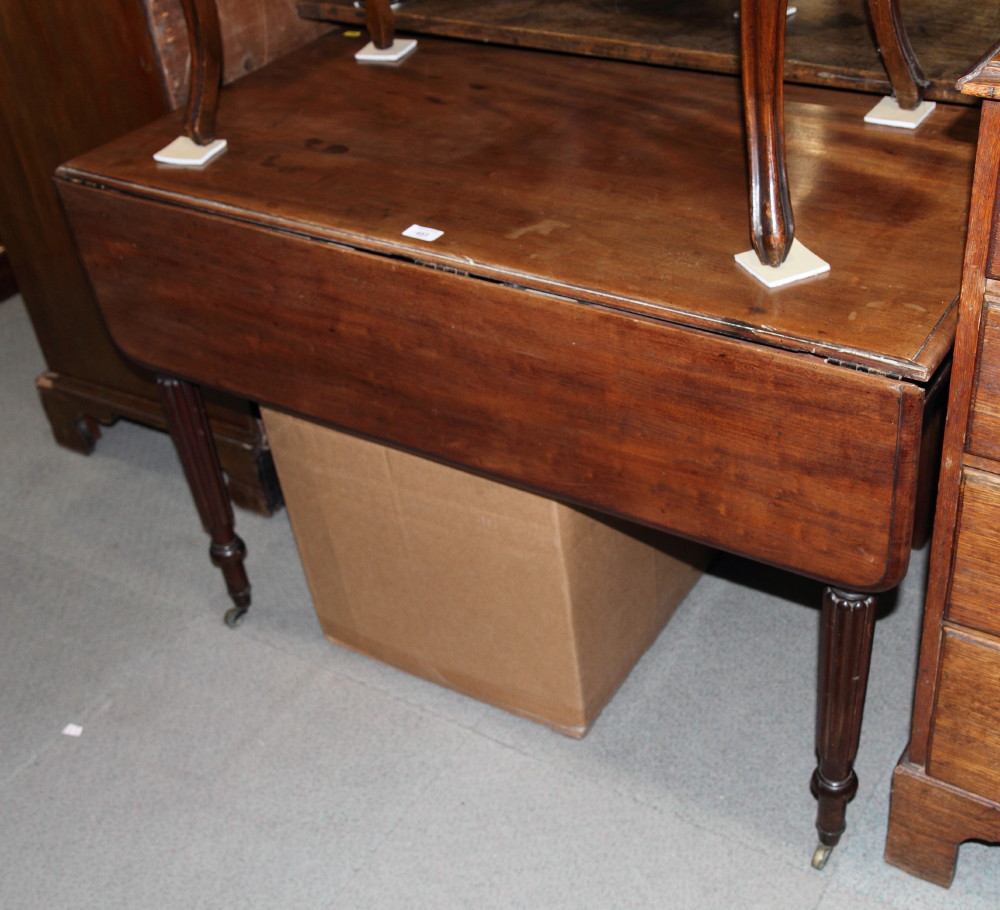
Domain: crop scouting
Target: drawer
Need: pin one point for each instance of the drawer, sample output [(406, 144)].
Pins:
[(984, 422), (974, 599), (965, 743)]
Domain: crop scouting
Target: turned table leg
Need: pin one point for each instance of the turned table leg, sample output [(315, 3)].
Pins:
[(907, 79), (846, 635), (192, 437), (762, 27)]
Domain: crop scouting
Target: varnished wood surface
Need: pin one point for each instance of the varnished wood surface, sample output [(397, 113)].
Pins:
[(984, 416), (829, 41), (983, 81), (965, 740), (946, 789), (758, 450), (975, 286), (975, 587), (931, 819), (595, 180)]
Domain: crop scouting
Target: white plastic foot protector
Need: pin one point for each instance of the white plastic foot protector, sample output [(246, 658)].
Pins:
[(888, 113), (188, 153), (400, 48), (800, 263)]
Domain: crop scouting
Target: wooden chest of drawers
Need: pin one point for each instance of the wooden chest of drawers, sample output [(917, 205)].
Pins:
[(946, 789)]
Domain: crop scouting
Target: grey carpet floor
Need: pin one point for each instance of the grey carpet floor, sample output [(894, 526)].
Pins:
[(263, 767)]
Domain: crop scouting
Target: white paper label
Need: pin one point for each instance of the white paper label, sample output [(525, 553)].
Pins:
[(419, 232)]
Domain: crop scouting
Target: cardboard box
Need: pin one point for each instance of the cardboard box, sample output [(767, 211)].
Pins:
[(503, 595)]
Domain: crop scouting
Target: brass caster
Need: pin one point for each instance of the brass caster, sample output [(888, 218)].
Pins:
[(820, 856), (233, 616)]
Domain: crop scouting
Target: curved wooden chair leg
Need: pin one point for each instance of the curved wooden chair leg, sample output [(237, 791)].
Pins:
[(205, 40), (380, 22), (905, 75), (762, 27)]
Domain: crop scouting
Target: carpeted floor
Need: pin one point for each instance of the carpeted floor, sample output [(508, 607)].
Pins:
[(263, 767)]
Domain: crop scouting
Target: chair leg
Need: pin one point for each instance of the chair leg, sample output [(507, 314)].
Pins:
[(205, 40), (907, 79), (380, 22), (762, 26)]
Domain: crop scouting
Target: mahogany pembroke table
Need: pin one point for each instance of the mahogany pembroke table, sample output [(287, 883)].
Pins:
[(579, 327)]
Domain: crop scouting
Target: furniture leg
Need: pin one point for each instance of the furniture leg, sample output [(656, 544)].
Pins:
[(927, 822), (846, 635), (907, 79), (205, 40), (380, 23), (189, 429), (762, 28)]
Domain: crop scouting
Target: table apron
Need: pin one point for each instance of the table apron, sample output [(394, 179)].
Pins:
[(772, 454)]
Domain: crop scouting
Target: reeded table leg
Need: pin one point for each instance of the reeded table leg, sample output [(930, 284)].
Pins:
[(908, 80), (192, 437), (846, 636), (762, 27)]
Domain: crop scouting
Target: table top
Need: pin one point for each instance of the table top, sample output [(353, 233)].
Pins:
[(580, 327), (828, 42), (596, 180)]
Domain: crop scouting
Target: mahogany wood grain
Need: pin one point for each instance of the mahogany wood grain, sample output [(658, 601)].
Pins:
[(965, 741), (731, 438), (772, 227), (984, 416), (930, 819), (580, 327), (205, 43), (946, 788), (656, 206), (975, 587), (983, 80), (829, 42), (974, 284)]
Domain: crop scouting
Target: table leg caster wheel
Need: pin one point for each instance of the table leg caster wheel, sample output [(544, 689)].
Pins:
[(233, 616), (820, 856)]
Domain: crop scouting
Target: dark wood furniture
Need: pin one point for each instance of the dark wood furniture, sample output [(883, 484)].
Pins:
[(704, 36), (580, 327), (946, 788), (72, 76), (828, 43), (8, 286)]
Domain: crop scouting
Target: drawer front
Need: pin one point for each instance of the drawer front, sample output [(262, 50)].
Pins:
[(781, 457), (965, 742), (974, 599), (984, 423)]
